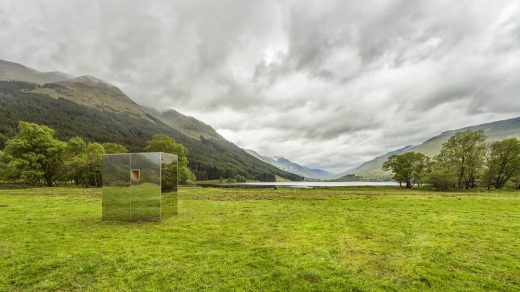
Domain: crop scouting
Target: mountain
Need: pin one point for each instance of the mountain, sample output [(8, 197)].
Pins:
[(92, 92), (17, 72), (287, 165), (97, 111), (372, 168), (187, 125), (495, 131)]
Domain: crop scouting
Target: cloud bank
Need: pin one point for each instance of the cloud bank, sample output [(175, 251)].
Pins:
[(328, 84)]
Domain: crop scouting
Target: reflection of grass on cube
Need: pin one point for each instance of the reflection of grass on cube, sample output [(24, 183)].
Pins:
[(145, 202), (138, 202), (169, 204), (116, 203)]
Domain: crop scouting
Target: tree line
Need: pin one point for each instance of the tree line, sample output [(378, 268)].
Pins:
[(35, 157), (466, 160)]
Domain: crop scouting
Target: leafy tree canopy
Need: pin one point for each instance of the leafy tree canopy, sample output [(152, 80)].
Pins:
[(3, 139), (503, 162), (111, 148), (465, 152), (34, 153), (163, 143), (408, 168), (75, 146)]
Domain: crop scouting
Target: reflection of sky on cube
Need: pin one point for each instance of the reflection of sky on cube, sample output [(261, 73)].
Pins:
[(152, 196)]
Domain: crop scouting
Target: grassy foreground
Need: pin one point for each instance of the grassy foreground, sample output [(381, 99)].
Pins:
[(250, 239)]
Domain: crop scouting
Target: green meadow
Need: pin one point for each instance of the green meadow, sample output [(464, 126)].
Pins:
[(366, 238)]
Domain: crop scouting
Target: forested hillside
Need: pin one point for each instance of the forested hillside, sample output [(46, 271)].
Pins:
[(209, 158)]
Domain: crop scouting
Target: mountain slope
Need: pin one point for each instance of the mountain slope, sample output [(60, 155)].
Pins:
[(17, 72), (187, 125), (372, 168), (495, 131), (92, 92), (209, 158), (287, 165), (98, 111)]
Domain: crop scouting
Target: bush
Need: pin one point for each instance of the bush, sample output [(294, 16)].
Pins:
[(441, 179)]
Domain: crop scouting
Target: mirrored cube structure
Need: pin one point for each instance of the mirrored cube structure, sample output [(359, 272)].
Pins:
[(139, 186)]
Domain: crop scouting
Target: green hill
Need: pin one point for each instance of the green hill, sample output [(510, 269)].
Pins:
[(495, 131), (97, 111)]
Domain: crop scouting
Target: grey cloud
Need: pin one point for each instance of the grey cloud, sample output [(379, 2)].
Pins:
[(326, 83)]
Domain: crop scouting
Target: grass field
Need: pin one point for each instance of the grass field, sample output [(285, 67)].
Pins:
[(264, 239)]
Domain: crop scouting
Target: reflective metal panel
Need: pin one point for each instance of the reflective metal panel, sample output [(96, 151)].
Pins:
[(169, 183), (145, 188), (116, 187), (139, 186)]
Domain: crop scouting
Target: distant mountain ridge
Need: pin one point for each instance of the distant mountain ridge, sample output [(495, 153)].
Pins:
[(88, 107), (287, 165), (495, 131)]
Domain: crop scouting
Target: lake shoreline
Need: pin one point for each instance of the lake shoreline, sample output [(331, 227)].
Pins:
[(301, 185)]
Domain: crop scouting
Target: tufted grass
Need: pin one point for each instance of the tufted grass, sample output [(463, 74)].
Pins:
[(369, 238)]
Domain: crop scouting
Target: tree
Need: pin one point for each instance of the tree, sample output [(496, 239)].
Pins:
[(34, 154), (443, 174), (76, 169), (465, 152), (163, 143), (3, 139), (94, 155), (3, 165), (83, 162), (409, 168), (75, 146), (502, 162), (516, 177), (74, 158), (111, 148)]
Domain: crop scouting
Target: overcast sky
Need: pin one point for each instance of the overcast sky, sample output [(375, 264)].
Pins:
[(327, 84)]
